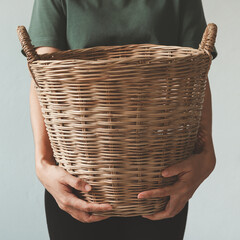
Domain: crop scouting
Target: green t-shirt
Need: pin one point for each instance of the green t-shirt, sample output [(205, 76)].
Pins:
[(74, 24)]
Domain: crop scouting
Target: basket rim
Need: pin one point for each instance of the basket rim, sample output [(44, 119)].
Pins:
[(190, 52)]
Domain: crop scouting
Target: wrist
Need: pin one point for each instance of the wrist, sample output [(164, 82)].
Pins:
[(43, 163)]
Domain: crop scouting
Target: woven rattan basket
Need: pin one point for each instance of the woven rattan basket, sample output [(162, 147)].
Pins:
[(116, 116)]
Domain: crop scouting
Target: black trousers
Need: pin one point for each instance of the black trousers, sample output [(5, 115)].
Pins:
[(62, 226)]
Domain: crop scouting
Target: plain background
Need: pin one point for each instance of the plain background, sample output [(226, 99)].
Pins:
[(214, 208)]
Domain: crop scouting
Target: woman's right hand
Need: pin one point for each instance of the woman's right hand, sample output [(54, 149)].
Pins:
[(60, 184)]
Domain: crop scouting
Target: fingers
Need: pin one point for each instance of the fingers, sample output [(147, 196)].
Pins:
[(80, 209), (161, 192), (75, 206), (61, 185), (76, 182), (95, 218), (174, 206), (176, 169), (85, 217), (42, 50), (71, 200)]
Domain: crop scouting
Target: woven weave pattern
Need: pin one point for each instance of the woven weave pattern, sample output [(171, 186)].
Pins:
[(117, 116)]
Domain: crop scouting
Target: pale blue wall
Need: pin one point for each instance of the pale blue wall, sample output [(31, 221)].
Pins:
[(214, 209), (21, 197)]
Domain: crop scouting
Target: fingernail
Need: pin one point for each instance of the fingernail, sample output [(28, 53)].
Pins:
[(87, 187), (141, 196)]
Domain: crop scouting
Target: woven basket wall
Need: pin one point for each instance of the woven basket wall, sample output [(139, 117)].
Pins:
[(117, 116)]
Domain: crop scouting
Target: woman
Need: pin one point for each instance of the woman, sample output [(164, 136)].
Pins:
[(73, 24)]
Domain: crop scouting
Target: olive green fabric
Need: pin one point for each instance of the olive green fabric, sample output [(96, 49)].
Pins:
[(74, 24)]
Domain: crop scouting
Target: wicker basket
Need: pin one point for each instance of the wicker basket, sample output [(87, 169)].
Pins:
[(117, 116)]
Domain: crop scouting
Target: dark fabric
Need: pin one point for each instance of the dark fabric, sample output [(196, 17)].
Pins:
[(62, 226), (75, 24)]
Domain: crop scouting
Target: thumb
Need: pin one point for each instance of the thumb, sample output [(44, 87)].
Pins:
[(77, 183), (173, 170)]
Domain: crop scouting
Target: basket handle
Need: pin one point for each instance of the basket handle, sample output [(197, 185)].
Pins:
[(209, 38), (28, 48)]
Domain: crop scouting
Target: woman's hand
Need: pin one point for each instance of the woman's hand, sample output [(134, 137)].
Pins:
[(192, 172), (60, 184)]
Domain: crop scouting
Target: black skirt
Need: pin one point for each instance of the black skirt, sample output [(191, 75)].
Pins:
[(62, 226)]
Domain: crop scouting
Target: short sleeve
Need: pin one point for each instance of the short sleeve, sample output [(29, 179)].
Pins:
[(192, 24), (48, 24)]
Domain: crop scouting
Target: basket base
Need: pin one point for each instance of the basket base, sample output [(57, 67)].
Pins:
[(143, 207)]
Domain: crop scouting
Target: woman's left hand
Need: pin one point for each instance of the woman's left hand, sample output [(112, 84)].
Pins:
[(191, 173)]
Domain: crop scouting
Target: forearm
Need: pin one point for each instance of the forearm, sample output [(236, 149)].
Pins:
[(204, 140), (43, 150), (205, 130)]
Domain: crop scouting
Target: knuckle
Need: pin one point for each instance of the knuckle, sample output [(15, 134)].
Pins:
[(64, 201), (62, 206), (76, 183), (87, 208)]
